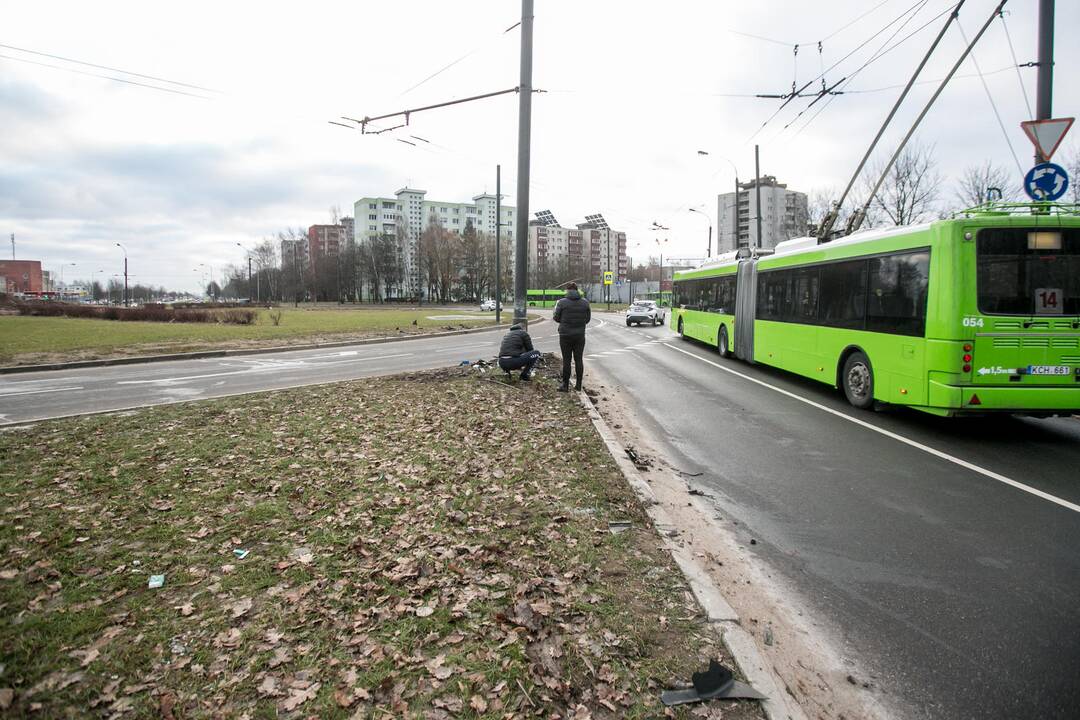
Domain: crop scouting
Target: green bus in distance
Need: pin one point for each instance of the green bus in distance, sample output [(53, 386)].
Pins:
[(543, 298), (979, 313)]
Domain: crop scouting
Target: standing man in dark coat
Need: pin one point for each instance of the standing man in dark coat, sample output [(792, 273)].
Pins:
[(573, 314), (516, 352)]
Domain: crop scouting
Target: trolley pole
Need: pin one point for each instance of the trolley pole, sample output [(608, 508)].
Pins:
[(521, 242), (1045, 82)]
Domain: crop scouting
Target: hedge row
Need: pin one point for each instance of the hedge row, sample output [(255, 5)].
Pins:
[(146, 314)]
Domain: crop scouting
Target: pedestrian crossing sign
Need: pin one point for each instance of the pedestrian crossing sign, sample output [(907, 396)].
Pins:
[(607, 277)]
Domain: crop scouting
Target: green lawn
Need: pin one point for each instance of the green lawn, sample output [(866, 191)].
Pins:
[(399, 547), (25, 340)]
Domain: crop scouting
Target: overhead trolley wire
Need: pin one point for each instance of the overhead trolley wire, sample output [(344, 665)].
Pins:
[(105, 67), (990, 97), (469, 54), (1019, 75), (874, 59), (861, 45), (104, 77), (878, 54)]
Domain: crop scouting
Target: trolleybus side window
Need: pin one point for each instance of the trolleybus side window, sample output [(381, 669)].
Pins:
[(843, 294), (896, 302)]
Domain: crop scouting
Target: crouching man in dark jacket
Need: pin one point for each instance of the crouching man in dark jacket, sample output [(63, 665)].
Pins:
[(573, 314), (516, 351)]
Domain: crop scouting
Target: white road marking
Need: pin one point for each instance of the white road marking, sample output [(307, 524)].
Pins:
[(899, 438), (38, 392), (252, 370)]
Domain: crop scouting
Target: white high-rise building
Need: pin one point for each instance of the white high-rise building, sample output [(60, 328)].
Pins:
[(784, 215), (413, 213)]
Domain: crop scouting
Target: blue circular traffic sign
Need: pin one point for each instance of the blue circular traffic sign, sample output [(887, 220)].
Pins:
[(1046, 182)]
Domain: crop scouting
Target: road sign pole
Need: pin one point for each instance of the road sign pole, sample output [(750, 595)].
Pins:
[(1045, 83)]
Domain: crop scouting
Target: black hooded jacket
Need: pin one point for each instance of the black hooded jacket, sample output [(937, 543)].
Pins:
[(572, 313), (516, 342)]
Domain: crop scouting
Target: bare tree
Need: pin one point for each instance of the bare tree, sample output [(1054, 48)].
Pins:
[(909, 193), (1070, 160), (976, 180)]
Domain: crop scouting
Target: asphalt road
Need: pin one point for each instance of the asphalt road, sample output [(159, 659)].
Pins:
[(944, 551), (959, 591)]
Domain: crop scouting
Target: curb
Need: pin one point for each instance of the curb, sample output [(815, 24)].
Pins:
[(739, 642), (137, 359)]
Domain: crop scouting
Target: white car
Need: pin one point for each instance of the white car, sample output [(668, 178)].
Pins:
[(642, 311), (487, 305)]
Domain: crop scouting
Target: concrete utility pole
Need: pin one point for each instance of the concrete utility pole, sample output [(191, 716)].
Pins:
[(498, 241), (12, 246), (521, 267), (757, 189), (1045, 83)]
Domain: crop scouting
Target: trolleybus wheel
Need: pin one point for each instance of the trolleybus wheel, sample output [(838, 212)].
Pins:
[(858, 381), (680, 330), (722, 343)]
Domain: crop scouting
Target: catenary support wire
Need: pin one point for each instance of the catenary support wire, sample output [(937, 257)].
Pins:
[(993, 105)]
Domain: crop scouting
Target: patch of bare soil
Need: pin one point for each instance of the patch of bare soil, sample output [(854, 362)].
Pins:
[(801, 649)]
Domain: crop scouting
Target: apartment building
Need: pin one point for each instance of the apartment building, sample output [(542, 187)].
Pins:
[(410, 212), (590, 248), (784, 215)]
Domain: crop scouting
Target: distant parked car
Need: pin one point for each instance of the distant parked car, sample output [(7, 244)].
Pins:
[(642, 311), (487, 305)]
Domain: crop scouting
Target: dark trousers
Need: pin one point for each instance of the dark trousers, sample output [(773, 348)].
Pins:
[(526, 361), (572, 345)]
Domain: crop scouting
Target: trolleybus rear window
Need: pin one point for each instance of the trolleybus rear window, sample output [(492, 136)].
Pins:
[(1023, 271)]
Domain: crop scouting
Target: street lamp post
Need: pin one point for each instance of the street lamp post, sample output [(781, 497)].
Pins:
[(93, 286), (249, 271), (735, 209), (708, 248), (657, 227), (125, 273)]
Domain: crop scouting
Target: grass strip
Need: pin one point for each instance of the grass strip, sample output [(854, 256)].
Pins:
[(435, 545)]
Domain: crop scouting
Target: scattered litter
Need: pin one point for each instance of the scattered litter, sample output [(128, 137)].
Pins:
[(641, 463), (302, 555), (688, 474), (463, 362), (240, 554), (617, 526), (715, 683), (156, 581), (768, 635), (753, 541), (695, 491), (483, 365)]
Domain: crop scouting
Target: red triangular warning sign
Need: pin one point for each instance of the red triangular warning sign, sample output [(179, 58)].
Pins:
[(1046, 135), (974, 400)]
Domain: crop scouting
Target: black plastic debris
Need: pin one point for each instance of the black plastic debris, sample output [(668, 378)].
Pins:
[(641, 463), (716, 683)]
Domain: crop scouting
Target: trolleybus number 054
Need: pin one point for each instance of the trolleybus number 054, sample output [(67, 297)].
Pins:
[(973, 322)]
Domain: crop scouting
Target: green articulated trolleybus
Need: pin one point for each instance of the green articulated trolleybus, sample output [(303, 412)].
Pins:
[(975, 314)]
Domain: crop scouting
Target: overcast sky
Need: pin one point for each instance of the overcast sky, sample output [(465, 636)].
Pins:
[(633, 91)]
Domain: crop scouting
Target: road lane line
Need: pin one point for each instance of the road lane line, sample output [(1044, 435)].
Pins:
[(888, 433), (257, 369), (17, 393)]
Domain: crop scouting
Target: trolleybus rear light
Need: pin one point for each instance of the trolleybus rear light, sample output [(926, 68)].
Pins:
[(967, 357), (967, 347), (967, 368)]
